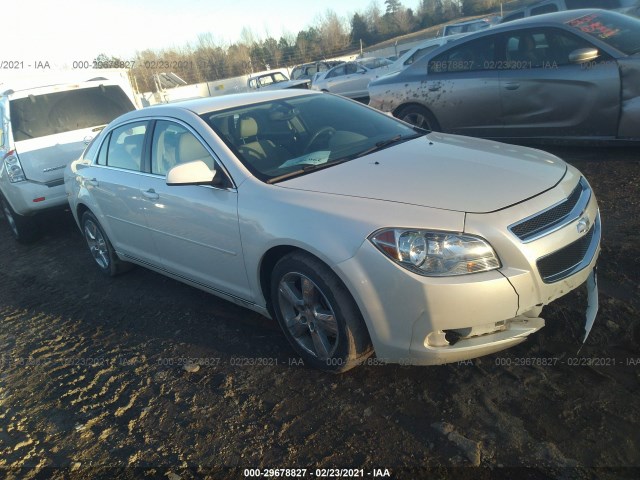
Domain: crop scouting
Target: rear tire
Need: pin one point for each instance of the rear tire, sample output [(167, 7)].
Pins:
[(419, 116), (24, 229), (100, 247), (318, 314)]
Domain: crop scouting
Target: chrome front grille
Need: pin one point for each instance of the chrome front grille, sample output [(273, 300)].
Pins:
[(571, 258), (554, 217)]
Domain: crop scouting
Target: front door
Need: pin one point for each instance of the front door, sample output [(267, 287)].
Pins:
[(544, 94), (194, 228)]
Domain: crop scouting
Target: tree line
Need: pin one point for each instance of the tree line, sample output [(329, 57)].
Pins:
[(207, 60)]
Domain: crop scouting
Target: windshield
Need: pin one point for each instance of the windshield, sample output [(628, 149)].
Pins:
[(58, 112), (622, 32), (300, 134)]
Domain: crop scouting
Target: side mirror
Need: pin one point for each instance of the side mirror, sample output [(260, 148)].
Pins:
[(583, 55), (192, 173)]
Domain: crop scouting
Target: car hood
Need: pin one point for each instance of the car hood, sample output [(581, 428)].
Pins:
[(442, 171)]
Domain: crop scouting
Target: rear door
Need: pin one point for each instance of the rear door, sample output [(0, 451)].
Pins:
[(544, 94), (114, 184), (462, 88)]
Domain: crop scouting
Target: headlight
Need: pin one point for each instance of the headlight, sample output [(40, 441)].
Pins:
[(13, 168), (436, 254)]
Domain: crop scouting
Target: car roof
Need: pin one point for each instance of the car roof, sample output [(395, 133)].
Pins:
[(468, 22), (24, 89), (546, 18), (200, 106)]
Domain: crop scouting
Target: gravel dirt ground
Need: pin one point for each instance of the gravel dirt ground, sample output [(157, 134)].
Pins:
[(143, 377)]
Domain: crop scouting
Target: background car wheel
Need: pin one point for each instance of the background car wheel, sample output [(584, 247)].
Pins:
[(419, 116), (100, 247), (317, 314), (24, 229)]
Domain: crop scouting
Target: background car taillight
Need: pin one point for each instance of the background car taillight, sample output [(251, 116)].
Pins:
[(13, 167)]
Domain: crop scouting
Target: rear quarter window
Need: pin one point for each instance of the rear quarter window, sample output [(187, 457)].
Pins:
[(59, 112)]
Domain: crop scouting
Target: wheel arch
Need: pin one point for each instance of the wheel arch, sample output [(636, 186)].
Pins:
[(398, 110), (269, 260)]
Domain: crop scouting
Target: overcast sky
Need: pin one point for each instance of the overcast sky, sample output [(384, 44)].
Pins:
[(75, 30)]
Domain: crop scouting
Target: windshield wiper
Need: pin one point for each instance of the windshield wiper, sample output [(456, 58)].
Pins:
[(381, 145), (306, 169)]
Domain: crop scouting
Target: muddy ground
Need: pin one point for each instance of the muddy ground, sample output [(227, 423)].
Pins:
[(93, 385)]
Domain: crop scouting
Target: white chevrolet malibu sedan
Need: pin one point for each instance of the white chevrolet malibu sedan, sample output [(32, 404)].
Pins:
[(358, 232)]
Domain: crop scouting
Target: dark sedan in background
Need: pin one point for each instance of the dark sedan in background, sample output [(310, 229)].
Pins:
[(572, 75)]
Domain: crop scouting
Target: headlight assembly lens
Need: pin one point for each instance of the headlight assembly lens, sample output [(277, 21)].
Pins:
[(413, 248), (436, 253)]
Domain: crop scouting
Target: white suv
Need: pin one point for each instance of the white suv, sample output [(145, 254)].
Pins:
[(42, 130)]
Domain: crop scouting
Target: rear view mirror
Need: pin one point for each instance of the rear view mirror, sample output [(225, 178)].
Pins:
[(583, 55), (191, 173)]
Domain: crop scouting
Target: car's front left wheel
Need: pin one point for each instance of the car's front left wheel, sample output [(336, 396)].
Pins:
[(318, 314), (100, 247)]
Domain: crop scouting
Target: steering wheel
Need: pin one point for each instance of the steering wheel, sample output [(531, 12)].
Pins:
[(323, 131)]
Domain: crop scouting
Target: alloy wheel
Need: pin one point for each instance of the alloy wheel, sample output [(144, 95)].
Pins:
[(308, 315)]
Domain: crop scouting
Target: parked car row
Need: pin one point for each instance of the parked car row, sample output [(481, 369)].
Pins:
[(448, 251), (275, 80), (572, 75), (350, 79)]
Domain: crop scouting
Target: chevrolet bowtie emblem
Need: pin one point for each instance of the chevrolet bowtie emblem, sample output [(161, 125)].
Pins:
[(583, 224)]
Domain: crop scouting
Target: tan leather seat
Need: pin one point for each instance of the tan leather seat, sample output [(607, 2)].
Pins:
[(190, 149), (262, 154)]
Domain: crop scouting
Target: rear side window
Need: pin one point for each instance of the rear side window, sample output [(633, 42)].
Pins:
[(419, 53), (58, 112), (123, 147), (471, 56), (544, 9), (513, 16), (1, 126), (606, 4)]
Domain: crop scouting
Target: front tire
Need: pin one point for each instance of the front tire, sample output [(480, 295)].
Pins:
[(100, 247), (419, 116), (318, 314), (24, 229)]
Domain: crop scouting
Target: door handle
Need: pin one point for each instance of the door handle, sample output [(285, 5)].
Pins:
[(512, 85), (434, 88), (150, 194), (93, 182)]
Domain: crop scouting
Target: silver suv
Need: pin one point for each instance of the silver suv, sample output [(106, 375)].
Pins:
[(42, 130)]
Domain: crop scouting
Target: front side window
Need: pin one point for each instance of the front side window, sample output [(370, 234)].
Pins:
[(542, 48), (337, 72), (173, 144), (123, 147)]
